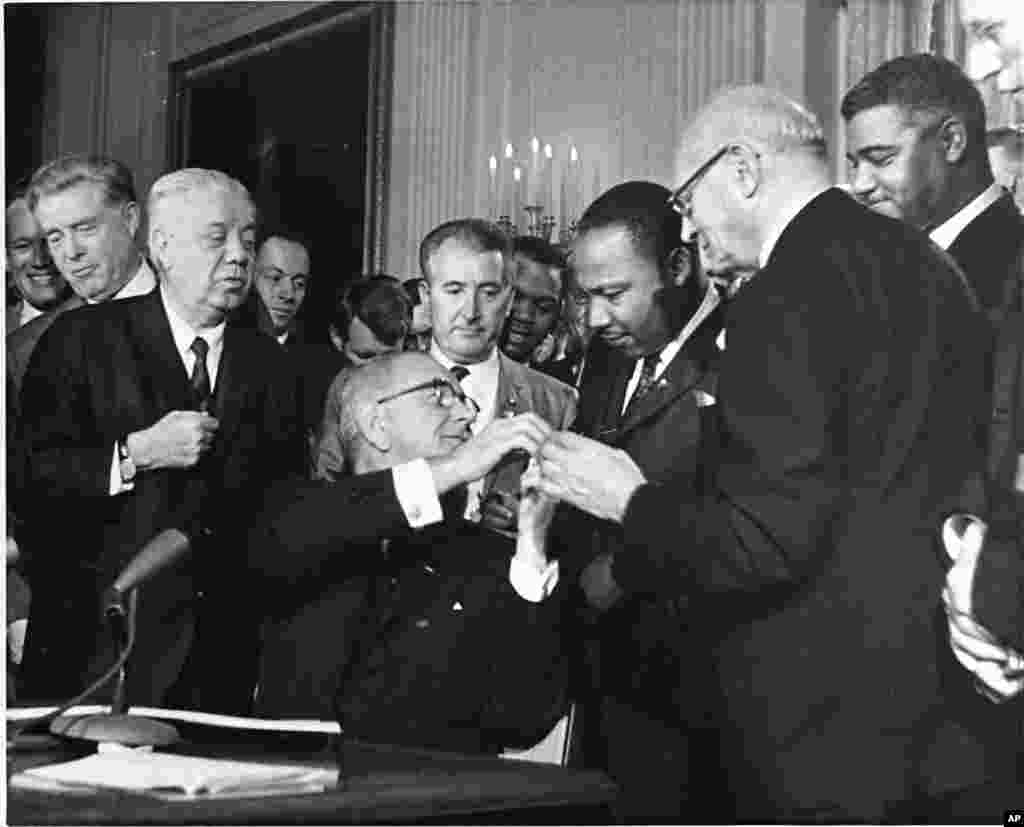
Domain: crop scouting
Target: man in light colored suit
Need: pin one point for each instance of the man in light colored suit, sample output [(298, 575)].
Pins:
[(467, 289), (89, 214)]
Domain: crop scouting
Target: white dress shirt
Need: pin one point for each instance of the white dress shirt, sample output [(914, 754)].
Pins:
[(140, 284), (480, 385), (417, 495), (184, 335), (947, 232), (708, 304), (28, 313)]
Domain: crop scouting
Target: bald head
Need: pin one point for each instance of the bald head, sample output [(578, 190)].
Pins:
[(411, 422)]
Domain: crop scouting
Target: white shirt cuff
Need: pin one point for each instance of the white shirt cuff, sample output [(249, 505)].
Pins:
[(117, 486), (531, 583), (414, 487)]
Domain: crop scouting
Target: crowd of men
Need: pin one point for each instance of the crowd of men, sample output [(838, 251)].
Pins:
[(740, 474)]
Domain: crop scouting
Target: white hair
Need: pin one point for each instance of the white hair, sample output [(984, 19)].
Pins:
[(753, 114), (180, 184)]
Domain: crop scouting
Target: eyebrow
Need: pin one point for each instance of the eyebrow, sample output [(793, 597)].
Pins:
[(872, 148)]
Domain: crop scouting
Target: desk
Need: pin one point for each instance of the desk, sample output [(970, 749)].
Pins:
[(381, 784)]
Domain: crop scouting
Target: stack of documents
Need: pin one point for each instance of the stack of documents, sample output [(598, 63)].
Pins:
[(174, 777)]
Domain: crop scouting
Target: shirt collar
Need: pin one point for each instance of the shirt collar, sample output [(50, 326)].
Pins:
[(487, 367), (946, 233), (140, 284), (28, 312), (183, 332), (783, 220), (711, 300), (282, 338)]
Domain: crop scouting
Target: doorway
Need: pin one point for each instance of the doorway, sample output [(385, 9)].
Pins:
[(299, 114)]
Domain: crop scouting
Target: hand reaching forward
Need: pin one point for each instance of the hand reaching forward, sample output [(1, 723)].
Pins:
[(592, 476), (478, 455), (178, 440)]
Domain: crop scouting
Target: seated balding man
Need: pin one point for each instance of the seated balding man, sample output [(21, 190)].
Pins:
[(410, 623)]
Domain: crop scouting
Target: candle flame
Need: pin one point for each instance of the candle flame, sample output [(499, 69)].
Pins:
[(535, 145), (509, 152), (517, 174), (574, 156), (548, 151), (493, 164)]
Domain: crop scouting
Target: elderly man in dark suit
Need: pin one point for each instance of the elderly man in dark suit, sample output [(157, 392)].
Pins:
[(410, 623), (849, 391), (648, 389), (148, 414)]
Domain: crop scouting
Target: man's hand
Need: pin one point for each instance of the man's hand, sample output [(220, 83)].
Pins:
[(592, 476), (998, 669), (179, 440), (499, 511), (598, 584), (475, 457)]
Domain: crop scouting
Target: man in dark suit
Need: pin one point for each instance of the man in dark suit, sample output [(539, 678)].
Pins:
[(89, 214), (916, 144), (849, 392), (149, 414), (918, 151), (415, 626), (468, 291), (648, 390)]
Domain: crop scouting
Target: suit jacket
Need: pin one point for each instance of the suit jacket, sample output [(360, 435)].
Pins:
[(649, 656), (987, 248), (22, 341), (96, 375), (850, 392), (429, 645)]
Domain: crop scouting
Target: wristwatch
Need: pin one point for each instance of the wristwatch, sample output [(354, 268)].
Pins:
[(126, 465)]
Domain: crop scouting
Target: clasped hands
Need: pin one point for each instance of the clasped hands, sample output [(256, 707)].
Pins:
[(565, 467)]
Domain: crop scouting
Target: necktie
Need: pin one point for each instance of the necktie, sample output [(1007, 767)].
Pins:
[(459, 372), (200, 379), (646, 378)]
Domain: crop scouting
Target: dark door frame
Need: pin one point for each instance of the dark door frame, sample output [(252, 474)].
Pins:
[(185, 72)]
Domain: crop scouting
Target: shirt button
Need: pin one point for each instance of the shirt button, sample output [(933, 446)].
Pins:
[(422, 623)]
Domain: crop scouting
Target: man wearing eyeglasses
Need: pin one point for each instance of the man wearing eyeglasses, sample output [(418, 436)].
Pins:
[(849, 392), (468, 290), (419, 626)]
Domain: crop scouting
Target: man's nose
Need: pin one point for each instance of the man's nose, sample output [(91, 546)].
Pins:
[(41, 258), (471, 306), (73, 248), (463, 410), (861, 180), (597, 315), (285, 290), (522, 309), (235, 252)]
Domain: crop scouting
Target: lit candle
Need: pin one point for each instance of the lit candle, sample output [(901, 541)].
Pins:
[(517, 175), (533, 174), (545, 194), (574, 183), (492, 187), (506, 183)]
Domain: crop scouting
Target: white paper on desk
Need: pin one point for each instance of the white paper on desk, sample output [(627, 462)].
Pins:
[(173, 776)]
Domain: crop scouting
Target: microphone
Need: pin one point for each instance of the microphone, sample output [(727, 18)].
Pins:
[(119, 603)]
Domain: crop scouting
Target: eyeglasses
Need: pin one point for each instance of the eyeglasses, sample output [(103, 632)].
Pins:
[(443, 392), (681, 199)]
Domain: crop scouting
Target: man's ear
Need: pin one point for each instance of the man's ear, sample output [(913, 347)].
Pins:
[(374, 424), (157, 245), (131, 217), (747, 171), (953, 134), (680, 265)]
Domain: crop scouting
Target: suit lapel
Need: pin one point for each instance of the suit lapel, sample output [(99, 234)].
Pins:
[(165, 380), (679, 378), (620, 369), (232, 380)]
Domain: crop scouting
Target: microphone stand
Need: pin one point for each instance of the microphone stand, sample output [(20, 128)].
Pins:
[(117, 726)]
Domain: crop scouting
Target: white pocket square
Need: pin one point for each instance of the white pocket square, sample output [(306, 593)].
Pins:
[(704, 399)]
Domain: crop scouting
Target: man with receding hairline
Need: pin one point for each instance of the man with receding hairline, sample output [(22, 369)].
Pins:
[(148, 414), (846, 434), (442, 634)]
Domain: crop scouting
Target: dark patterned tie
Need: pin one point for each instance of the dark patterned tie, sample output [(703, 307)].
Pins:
[(459, 372), (200, 379), (646, 378)]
